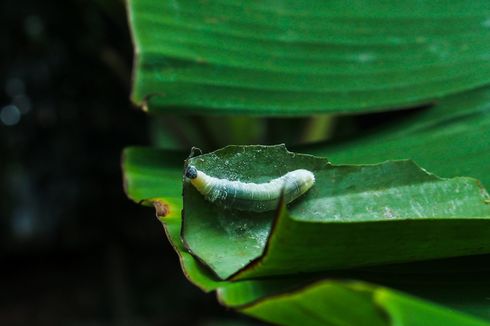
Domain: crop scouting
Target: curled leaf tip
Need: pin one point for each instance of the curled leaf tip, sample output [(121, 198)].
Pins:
[(195, 151)]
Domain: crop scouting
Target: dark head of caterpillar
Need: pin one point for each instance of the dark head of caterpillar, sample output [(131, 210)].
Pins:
[(191, 172)]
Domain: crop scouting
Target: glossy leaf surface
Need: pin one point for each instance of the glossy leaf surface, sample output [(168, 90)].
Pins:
[(145, 180), (299, 57), (338, 303), (353, 216)]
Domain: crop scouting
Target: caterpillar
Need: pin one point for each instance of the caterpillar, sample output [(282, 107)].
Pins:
[(255, 197)]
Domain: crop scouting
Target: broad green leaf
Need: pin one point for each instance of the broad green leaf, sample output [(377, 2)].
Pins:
[(299, 57), (149, 178), (452, 138), (353, 216), (461, 284), (336, 303)]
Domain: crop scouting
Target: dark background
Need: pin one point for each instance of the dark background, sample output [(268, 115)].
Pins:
[(74, 250)]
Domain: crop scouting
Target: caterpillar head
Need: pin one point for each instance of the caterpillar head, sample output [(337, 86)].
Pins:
[(191, 172)]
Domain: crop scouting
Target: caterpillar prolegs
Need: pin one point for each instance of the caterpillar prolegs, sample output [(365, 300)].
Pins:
[(256, 197)]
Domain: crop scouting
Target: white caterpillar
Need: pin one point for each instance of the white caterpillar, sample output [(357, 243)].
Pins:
[(256, 197)]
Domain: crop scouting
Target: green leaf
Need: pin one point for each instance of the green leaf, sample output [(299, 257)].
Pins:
[(449, 139), (153, 177), (353, 216), (149, 173), (460, 283), (299, 57), (149, 179), (336, 303)]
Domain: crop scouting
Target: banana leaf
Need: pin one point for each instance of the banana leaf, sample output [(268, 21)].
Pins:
[(353, 216), (301, 57), (344, 302), (147, 183)]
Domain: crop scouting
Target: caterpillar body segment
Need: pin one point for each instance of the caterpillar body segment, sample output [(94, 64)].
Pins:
[(256, 197)]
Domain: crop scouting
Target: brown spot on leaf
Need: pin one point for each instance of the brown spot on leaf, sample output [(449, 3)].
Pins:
[(161, 208)]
